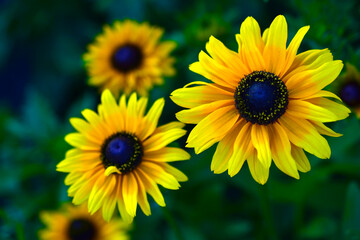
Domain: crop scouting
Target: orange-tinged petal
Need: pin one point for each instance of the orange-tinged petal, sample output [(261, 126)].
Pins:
[(189, 97), (275, 46), (242, 149), (252, 44), (196, 114), (151, 119), (302, 162), (151, 187), (215, 125), (226, 57), (129, 193), (294, 45), (261, 141), (281, 151), (224, 149), (159, 175), (167, 154), (257, 170), (303, 134)]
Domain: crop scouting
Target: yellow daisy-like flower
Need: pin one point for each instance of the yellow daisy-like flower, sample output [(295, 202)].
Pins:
[(74, 223), (121, 155), (265, 102), (129, 57), (348, 87)]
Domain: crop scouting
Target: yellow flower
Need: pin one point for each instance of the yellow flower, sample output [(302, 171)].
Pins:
[(348, 87), (264, 103), (72, 223), (120, 155), (129, 57)]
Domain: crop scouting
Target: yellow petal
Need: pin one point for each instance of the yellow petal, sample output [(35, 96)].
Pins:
[(275, 46), (80, 141), (108, 207), (212, 128), (196, 114), (224, 149), (102, 188), (310, 59), (304, 135), (225, 56), (142, 197), (111, 112), (257, 170), (324, 130), (243, 148), (307, 110), (293, 47), (159, 175), (162, 139), (88, 130), (214, 71), (261, 141), (151, 119), (180, 176), (252, 44), (309, 82), (189, 97), (167, 154), (339, 110), (82, 162), (130, 191), (120, 202), (110, 170), (151, 187), (281, 151), (302, 162), (131, 116)]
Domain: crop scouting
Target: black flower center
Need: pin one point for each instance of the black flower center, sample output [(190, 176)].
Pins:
[(122, 150), (126, 58), (81, 229), (261, 97), (350, 93)]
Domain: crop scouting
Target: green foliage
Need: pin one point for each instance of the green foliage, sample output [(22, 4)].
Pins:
[(41, 46)]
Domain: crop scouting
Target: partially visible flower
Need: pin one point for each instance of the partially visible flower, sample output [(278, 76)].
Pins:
[(348, 88), (121, 155), (129, 57), (75, 223), (263, 104)]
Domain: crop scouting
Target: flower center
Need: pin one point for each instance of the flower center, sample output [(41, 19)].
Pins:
[(126, 58), (81, 229), (350, 93), (261, 97), (122, 150)]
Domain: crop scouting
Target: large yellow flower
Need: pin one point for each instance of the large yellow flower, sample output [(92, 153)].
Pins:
[(264, 102), (129, 57), (121, 155), (73, 223)]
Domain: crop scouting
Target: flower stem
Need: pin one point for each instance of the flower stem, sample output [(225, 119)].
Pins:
[(171, 221), (267, 213)]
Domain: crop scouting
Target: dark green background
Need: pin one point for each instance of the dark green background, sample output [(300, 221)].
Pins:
[(43, 83)]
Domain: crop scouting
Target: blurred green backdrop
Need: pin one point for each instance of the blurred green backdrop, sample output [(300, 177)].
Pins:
[(43, 83)]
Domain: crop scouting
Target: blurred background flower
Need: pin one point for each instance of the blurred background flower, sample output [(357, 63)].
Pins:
[(72, 223), (44, 83), (129, 57)]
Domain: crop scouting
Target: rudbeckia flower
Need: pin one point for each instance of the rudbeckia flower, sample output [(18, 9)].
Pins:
[(129, 57), (74, 223), (263, 104), (348, 87), (121, 155)]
